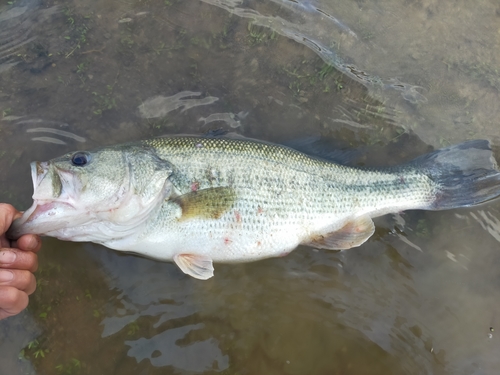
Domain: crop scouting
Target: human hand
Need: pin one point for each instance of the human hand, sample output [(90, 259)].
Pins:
[(18, 261)]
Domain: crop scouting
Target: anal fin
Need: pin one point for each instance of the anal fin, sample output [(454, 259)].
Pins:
[(354, 233), (198, 266)]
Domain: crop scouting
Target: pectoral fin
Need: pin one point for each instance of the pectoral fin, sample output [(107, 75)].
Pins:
[(352, 234), (197, 266), (207, 203)]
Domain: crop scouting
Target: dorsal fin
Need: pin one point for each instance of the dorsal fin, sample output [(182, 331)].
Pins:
[(323, 148)]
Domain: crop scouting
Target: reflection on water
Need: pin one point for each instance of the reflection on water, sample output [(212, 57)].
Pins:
[(489, 222), (148, 297), (160, 106), (17, 29), (162, 350), (385, 79), (62, 133), (231, 119), (309, 29)]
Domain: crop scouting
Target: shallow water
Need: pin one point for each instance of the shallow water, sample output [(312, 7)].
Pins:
[(389, 79)]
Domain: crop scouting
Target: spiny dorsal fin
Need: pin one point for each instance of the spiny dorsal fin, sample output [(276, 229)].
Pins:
[(198, 266), (209, 203), (354, 233)]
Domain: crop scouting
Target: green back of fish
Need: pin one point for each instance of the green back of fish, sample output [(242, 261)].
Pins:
[(285, 180)]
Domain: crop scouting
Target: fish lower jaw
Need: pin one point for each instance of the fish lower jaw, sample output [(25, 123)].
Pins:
[(48, 209), (42, 217)]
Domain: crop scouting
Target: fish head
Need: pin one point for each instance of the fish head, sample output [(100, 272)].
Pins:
[(75, 194)]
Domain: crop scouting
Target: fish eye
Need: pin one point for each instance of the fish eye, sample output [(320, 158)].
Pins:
[(80, 159)]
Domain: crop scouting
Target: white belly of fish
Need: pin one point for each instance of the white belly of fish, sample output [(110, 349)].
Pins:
[(218, 240)]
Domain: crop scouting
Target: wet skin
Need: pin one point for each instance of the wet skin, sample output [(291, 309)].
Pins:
[(18, 261)]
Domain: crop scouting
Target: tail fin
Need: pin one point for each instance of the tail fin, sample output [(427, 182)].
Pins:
[(466, 174)]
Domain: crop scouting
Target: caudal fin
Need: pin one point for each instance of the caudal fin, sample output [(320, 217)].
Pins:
[(466, 174)]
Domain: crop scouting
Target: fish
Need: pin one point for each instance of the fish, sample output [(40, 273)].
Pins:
[(196, 200)]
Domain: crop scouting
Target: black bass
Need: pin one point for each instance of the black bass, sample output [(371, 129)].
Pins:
[(198, 200)]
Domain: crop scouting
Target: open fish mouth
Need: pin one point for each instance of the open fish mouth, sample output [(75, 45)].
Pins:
[(48, 212)]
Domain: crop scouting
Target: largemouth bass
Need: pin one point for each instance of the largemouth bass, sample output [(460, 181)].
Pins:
[(198, 200)]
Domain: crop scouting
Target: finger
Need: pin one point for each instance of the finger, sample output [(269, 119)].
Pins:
[(4, 242), (18, 259), (29, 242), (20, 279), (7, 215), (12, 301)]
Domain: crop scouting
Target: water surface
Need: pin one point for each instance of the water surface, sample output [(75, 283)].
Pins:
[(392, 80)]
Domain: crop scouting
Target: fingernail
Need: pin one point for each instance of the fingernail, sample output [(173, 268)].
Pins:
[(6, 276), (7, 257)]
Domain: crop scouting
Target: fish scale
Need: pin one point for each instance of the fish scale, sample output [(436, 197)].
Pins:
[(298, 198), (198, 200), (328, 186)]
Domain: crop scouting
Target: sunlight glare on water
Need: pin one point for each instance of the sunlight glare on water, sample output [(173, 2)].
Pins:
[(390, 80)]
